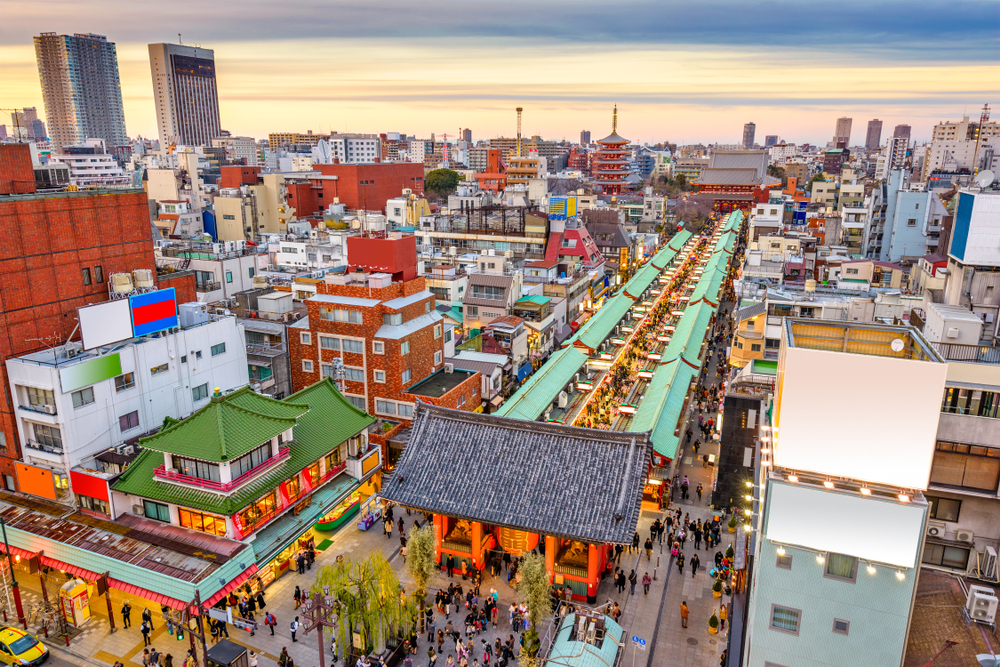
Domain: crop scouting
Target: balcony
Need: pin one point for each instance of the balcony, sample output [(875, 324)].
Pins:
[(956, 427), (978, 354), (361, 464), (45, 447), (221, 487), (207, 287), (49, 410)]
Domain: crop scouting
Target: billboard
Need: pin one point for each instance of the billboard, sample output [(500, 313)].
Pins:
[(36, 481), (105, 323), (89, 372), (561, 208), (154, 311)]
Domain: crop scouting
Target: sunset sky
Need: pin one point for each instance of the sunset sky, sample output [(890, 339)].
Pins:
[(684, 72)]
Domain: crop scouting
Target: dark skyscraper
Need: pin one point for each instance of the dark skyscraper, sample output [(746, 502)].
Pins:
[(748, 131), (874, 137), (902, 131), (770, 140), (584, 137)]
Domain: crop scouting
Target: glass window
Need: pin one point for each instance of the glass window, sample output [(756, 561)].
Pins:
[(218, 349), (200, 392), (385, 407), (946, 556), (313, 473), (380, 376), (404, 347), (259, 512), (341, 315), (205, 523), (333, 459), (964, 466), (785, 619), (39, 398), (123, 382), (83, 397), (437, 331), (329, 343), (157, 511), (392, 318), (840, 626), (196, 468), (357, 401), (86, 276), (162, 368), (437, 357), (944, 509), (307, 366), (250, 460), (129, 421), (784, 561), (406, 376), (99, 274), (378, 347), (48, 435), (839, 566), (93, 504), (229, 276), (405, 410), (355, 346), (305, 338), (354, 374), (292, 488)]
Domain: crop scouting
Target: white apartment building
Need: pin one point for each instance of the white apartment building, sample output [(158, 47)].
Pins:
[(221, 269), (72, 404), (320, 250), (780, 153), (356, 148), (839, 512), (90, 164), (238, 148)]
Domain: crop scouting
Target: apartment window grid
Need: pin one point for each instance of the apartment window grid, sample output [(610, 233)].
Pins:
[(83, 397), (199, 393), (39, 398)]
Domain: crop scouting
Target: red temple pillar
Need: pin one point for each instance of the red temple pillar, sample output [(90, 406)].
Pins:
[(439, 528), (477, 545), (551, 546), (594, 562)]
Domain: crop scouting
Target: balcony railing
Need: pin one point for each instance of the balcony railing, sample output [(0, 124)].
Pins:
[(980, 354), (43, 447), (40, 409), (222, 487), (206, 287)]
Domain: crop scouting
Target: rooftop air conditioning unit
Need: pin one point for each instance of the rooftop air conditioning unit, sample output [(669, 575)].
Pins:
[(449, 368), (563, 399), (452, 250), (981, 604), (964, 535), (952, 332), (935, 528), (50, 409), (137, 510)]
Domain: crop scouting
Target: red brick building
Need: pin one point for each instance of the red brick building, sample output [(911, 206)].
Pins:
[(387, 333), (367, 186), (233, 176), (57, 251)]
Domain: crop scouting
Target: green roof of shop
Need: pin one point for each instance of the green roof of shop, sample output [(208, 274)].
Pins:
[(572, 653), (537, 393), (331, 419), (534, 298)]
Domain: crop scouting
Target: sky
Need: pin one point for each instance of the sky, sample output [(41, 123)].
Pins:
[(684, 72)]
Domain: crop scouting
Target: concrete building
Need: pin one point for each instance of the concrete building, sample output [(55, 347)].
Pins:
[(185, 94), (748, 134), (491, 294), (221, 269), (356, 148), (873, 138), (356, 186), (91, 165), (81, 90), (238, 149), (902, 132), (972, 258), (844, 585), (842, 135), (584, 137)]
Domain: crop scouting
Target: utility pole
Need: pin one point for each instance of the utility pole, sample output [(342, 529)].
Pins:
[(319, 611)]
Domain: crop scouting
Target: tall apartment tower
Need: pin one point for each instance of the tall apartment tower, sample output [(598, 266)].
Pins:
[(874, 137), (748, 131), (467, 135), (902, 131), (584, 137), (185, 93), (81, 89), (843, 133)]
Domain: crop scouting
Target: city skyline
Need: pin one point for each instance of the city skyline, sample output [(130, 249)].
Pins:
[(295, 69)]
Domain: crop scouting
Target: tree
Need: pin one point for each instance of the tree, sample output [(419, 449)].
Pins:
[(420, 563), (534, 591), (441, 181), (681, 180), (817, 178), (370, 601)]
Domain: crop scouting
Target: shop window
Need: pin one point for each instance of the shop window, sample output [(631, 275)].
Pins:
[(157, 511), (313, 473), (205, 523), (127, 381), (258, 513), (93, 504)]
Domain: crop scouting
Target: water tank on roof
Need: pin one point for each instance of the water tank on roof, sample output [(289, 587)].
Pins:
[(121, 283), (192, 313), (143, 279)]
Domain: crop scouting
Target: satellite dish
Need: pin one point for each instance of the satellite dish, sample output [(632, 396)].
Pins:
[(985, 178), (896, 344)]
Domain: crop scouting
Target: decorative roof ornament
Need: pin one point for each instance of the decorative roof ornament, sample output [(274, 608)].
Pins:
[(614, 120)]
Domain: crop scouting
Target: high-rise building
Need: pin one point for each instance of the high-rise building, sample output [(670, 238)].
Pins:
[(185, 94), (902, 131), (584, 137), (467, 136), (770, 140), (843, 133), (748, 131), (874, 137), (81, 89), (23, 122)]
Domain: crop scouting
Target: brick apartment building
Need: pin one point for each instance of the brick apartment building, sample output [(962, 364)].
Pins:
[(367, 186), (57, 251), (380, 319)]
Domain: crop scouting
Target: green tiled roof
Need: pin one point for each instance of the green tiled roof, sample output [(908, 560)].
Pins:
[(331, 419), (534, 298), (226, 428), (600, 326), (531, 400)]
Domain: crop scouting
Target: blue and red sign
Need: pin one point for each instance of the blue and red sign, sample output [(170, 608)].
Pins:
[(154, 311)]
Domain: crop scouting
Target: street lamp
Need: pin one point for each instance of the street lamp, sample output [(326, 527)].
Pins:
[(13, 581)]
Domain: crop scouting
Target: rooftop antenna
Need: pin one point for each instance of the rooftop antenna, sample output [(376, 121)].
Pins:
[(614, 120), (519, 110), (984, 118)]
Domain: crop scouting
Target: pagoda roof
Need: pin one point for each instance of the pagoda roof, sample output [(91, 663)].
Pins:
[(613, 138), (569, 482), (730, 176)]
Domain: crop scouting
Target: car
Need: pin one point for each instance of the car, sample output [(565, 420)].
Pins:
[(17, 647)]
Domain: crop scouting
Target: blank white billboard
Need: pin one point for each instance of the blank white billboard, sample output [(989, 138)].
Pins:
[(886, 531), (864, 417), (105, 323)]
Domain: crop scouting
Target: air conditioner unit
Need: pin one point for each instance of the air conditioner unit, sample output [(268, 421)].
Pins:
[(50, 409), (981, 604), (935, 528), (137, 510), (562, 399), (952, 332), (964, 535), (449, 368)]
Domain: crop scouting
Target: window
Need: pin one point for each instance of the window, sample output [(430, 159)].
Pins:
[(378, 347), (385, 407), (755, 347), (944, 509), (354, 346), (329, 343), (86, 276), (196, 468), (184, 359), (447, 336), (341, 315), (313, 473), (972, 402), (966, 466), (206, 523), (354, 374), (840, 626), (785, 619), (307, 366), (852, 272), (199, 393), (490, 292), (473, 311), (380, 376), (49, 436), (218, 349), (293, 489), (437, 357), (404, 347), (305, 338), (946, 556), (406, 376), (92, 504), (250, 460), (157, 511), (83, 397), (437, 331), (229, 276), (259, 512), (39, 398), (99, 274), (405, 410), (162, 368), (912, 222), (127, 381), (357, 401), (332, 459), (250, 271), (392, 319), (841, 567), (129, 421)]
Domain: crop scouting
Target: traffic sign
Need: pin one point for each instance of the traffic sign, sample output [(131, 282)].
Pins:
[(639, 642)]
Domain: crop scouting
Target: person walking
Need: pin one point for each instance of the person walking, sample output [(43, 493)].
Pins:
[(431, 657), (635, 543), (270, 621), (283, 657), (620, 580), (695, 563), (697, 539), (300, 563), (680, 563), (126, 615), (646, 581), (699, 490), (648, 545), (632, 579), (684, 614), (147, 617), (723, 615), (294, 627), (145, 629), (260, 600), (451, 566), (298, 596)]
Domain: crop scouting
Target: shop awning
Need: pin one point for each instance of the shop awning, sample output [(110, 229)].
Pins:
[(232, 585), (147, 594)]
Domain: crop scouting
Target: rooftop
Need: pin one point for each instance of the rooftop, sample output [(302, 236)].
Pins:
[(857, 338), (440, 383), (937, 617)]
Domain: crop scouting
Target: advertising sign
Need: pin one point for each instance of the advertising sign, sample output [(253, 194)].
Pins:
[(89, 372), (154, 311), (35, 481), (105, 323)]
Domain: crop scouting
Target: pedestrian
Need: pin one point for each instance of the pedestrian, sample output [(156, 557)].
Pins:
[(431, 629), (635, 543), (145, 629), (724, 658), (684, 614), (451, 566), (431, 657), (699, 490), (283, 657), (723, 615), (387, 527), (126, 615), (294, 627), (620, 581), (632, 579), (696, 445), (298, 596), (251, 655), (300, 562), (270, 621), (695, 562), (697, 539), (147, 616), (649, 549), (646, 581), (680, 563)]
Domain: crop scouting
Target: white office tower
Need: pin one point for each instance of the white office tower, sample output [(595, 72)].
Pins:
[(842, 514), (185, 94)]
